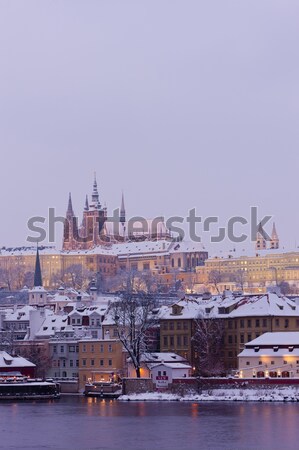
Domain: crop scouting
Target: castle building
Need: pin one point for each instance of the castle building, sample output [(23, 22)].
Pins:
[(97, 229)]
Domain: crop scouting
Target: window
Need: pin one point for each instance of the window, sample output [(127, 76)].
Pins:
[(264, 323), (78, 321), (55, 349), (71, 363), (178, 325), (242, 323), (165, 341), (285, 362), (230, 324), (247, 363), (92, 348), (77, 362), (179, 341), (62, 349), (297, 323), (230, 339), (165, 326), (101, 348), (171, 325), (257, 323), (171, 341), (83, 362), (84, 348), (146, 266), (101, 362), (249, 323), (286, 323), (260, 363), (272, 363), (185, 325), (71, 348), (185, 341), (92, 362), (249, 338), (110, 362), (110, 348), (242, 338), (277, 322)]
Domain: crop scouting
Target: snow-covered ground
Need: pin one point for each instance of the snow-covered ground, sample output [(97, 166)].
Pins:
[(281, 394)]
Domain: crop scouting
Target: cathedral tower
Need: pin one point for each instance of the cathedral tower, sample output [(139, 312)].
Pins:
[(274, 243)]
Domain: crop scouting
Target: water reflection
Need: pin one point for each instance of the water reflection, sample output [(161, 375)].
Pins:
[(92, 423)]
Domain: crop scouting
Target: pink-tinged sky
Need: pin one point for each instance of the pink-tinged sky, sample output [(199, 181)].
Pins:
[(181, 104)]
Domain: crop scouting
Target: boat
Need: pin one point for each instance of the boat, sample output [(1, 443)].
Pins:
[(103, 389), (23, 388)]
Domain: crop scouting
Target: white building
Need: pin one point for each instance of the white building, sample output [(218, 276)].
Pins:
[(272, 355)]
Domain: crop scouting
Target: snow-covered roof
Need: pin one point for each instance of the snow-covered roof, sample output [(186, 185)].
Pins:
[(269, 304), (51, 324), (157, 357), (19, 314), (7, 360), (268, 352), (252, 253), (172, 365), (265, 305), (279, 338)]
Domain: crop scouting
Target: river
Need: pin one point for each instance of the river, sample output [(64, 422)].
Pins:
[(76, 423)]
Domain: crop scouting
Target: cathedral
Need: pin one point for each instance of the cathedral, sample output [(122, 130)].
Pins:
[(98, 229)]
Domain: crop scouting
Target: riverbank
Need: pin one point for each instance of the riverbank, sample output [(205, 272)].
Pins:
[(281, 394)]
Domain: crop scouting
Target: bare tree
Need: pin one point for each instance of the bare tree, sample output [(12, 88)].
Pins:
[(240, 278), (7, 340), (214, 279), (134, 316), (37, 354), (208, 341)]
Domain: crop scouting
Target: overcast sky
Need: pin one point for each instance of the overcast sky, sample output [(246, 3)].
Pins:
[(181, 104)]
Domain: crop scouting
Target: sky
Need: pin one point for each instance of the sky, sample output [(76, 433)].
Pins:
[(180, 104)]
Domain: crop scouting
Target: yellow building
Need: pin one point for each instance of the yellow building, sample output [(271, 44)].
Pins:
[(100, 360), (252, 274), (244, 318)]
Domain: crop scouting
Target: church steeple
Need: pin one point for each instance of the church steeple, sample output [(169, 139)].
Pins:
[(274, 243), (37, 273), (70, 211), (38, 295), (95, 194), (122, 216), (86, 207), (260, 243)]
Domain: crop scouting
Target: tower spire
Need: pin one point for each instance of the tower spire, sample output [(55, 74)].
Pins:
[(122, 216), (37, 273), (260, 243), (274, 243), (70, 211), (86, 207), (95, 194)]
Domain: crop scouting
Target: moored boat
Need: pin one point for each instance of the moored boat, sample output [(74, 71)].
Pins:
[(22, 388), (103, 389)]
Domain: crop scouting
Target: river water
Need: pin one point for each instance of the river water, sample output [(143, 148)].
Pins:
[(74, 422)]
